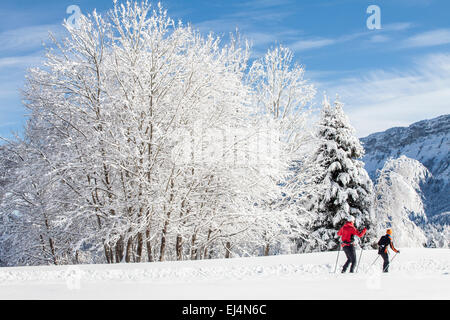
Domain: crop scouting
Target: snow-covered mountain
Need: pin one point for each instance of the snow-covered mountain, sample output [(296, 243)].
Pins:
[(427, 141)]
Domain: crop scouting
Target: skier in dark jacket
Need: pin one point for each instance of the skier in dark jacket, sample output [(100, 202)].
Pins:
[(384, 243), (347, 233)]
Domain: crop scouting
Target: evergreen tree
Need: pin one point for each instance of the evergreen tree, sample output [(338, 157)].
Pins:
[(343, 187)]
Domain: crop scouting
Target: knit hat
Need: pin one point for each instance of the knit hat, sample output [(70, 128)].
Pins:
[(389, 231), (351, 219)]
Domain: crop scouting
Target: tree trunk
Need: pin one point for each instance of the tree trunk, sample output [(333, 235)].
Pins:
[(140, 245), (193, 249), (149, 245), (163, 239), (52, 248), (108, 254), (179, 247), (267, 249), (119, 250), (205, 251), (129, 250), (228, 250), (166, 223)]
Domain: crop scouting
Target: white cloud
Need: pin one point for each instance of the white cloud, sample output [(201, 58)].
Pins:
[(397, 26), (20, 62), (378, 100), (302, 45), (27, 38), (12, 73), (378, 38), (428, 39)]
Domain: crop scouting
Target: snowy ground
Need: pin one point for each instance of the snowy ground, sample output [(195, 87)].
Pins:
[(415, 274)]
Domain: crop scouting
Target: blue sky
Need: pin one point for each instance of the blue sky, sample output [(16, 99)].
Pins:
[(393, 76)]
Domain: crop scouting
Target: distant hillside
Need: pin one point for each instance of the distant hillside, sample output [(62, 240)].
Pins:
[(427, 141)]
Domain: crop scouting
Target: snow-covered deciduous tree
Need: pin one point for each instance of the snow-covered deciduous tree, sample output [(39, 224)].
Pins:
[(437, 235), (121, 159), (283, 93), (282, 100), (35, 202), (398, 200), (343, 185)]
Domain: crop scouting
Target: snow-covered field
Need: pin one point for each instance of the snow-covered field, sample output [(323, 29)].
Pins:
[(414, 274)]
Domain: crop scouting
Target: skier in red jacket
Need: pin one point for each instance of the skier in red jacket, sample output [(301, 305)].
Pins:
[(347, 233)]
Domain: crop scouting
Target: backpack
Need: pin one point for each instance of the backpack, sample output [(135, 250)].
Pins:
[(383, 243)]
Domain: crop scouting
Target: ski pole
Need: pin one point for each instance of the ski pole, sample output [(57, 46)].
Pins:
[(375, 260), (339, 250), (391, 261), (360, 255), (394, 257)]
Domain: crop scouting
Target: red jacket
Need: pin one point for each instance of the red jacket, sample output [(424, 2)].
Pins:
[(348, 231)]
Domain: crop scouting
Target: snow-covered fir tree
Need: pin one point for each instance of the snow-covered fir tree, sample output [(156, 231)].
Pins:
[(343, 187), (398, 200)]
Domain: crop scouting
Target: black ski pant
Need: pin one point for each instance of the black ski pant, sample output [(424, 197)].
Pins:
[(385, 257), (351, 258)]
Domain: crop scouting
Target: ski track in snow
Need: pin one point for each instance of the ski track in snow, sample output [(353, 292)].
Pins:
[(181, 274)]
